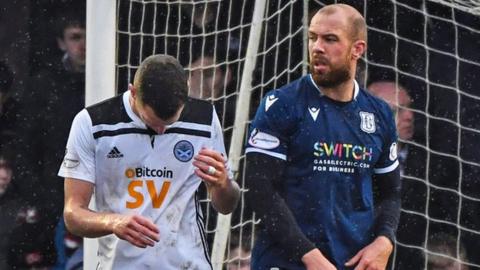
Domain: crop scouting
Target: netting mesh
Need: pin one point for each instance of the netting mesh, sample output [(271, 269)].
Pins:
[(431, 47), (471, 6)]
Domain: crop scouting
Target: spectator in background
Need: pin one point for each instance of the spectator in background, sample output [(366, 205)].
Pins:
[(240, 253), (211, 78), (399, 100), (55, 94), (206, 27), (22, 242), (9, 205), (446, 245), (208, 77)]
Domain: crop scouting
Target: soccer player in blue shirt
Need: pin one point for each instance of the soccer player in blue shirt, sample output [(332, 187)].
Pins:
[(317, 146)]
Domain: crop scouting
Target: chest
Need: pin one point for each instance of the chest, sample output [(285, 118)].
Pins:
[(342, 132), (143, 155)]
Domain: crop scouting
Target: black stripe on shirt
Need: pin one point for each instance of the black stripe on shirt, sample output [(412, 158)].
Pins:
[(201, 229), (193, 132), (122, 131)]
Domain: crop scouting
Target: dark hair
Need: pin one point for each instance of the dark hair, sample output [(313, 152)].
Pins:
[(161, 83), (68, 19), (5, 164), (6, 77)]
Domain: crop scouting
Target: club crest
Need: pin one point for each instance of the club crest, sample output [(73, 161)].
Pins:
[(367, 123), (183, 151)]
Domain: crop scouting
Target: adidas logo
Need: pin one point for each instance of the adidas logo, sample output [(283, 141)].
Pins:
[(114, 153)]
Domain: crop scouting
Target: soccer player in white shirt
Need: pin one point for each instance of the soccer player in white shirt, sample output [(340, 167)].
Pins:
[(145, 153)]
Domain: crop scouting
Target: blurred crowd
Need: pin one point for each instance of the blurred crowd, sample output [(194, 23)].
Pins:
[(434, 93)]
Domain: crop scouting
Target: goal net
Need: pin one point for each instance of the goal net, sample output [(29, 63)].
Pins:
[(236, 51)]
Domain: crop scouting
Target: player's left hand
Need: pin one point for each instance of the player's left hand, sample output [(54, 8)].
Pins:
[(374, 256), (211, 168)]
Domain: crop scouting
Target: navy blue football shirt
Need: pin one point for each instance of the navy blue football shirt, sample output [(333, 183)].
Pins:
[(331, 149)]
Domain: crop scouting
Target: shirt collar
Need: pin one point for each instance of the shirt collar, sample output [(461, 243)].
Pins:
[(356, 88), (128, 108)]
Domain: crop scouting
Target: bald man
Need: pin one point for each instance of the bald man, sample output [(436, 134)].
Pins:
[(316, 146), (399, 100)]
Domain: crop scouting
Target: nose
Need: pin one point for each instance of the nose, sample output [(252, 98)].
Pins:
[(317, 45)]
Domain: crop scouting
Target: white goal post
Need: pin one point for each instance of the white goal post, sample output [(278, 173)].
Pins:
[(100, 78), (259, 45)]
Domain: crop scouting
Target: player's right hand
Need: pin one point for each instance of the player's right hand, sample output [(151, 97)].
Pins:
[(137, 230), (314, 260)]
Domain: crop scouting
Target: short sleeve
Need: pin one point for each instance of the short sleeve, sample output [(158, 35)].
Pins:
[(269, 129), (79, 160), (388, 160)]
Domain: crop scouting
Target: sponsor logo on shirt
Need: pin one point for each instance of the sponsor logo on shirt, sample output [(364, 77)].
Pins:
[(147, 172), (313, 112), (140, 188), (263, 140), (114, 153), (341, 157), (269, 101)]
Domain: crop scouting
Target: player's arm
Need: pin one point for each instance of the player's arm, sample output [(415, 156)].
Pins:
[(224, 192), (261, 174), (82, 221), (387, 210)]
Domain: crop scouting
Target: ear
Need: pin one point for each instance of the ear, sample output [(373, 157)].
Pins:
[(61, 44), (133, 90), (358, 48)]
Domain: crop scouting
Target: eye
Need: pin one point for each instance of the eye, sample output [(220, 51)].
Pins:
[(331, 39), (76, 37)]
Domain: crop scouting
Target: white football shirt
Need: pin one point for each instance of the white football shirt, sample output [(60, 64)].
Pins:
[(135, 170)]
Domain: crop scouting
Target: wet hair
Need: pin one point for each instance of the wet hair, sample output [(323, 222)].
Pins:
[(68, 19), (5, 164), (161, 83)]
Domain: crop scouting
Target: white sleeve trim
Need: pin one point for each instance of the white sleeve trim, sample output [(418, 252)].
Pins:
[(266, 152), (387, 169)]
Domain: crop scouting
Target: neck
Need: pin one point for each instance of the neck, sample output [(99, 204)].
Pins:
[(132, 105), (71, 66), (343, 92)]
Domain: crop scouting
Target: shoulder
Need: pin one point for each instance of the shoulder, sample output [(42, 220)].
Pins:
[(197, 111), (109, 111), (50, 71), (375, 103), (289, 95), (292, 92)]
